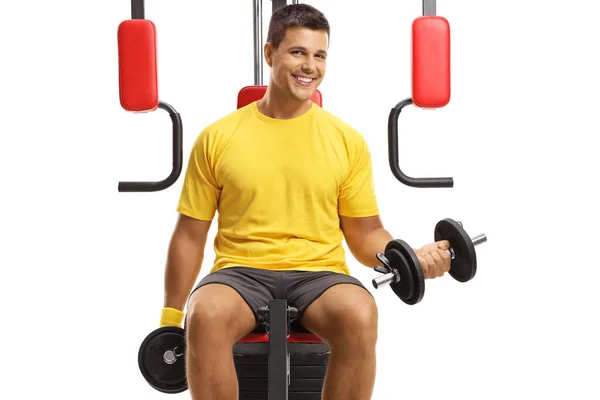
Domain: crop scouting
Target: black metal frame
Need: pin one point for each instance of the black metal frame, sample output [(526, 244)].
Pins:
[(177, 158), (138, 11), (394, 156), (429, 9), (279, 366), (277, 4)]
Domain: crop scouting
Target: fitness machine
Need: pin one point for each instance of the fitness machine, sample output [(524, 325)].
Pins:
[(138, 88), (138, 82), (280, 359), (430, 57)]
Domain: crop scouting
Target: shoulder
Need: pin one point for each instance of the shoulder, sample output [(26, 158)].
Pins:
[(352, 138), (339, 124), (218, 133)]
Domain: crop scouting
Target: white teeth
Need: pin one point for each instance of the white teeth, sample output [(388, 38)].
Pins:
[(302, 79)]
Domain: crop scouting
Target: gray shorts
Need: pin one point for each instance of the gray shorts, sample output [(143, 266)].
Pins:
[(258, 286)]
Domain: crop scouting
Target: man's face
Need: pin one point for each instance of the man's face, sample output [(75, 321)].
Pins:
[(298, 65)]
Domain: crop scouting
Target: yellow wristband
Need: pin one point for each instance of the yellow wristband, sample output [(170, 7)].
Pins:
[(171, 317)]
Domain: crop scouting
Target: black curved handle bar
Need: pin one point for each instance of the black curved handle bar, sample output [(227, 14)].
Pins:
[(394, 159), (177, 158)]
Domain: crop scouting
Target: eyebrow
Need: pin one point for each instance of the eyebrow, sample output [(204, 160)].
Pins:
[(305, 49)]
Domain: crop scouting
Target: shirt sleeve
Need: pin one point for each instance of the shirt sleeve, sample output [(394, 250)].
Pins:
[(200, 192), (357, 194)]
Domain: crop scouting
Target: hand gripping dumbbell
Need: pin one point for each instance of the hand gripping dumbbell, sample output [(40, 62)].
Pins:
[(402, 270)]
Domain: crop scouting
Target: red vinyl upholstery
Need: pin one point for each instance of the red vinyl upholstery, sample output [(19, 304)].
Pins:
[(298, 333), (249, 94)]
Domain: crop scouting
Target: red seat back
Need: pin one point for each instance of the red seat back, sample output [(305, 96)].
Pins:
[(253, 93)]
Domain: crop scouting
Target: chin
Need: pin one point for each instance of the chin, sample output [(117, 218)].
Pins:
[(303, 94), (302, 97)]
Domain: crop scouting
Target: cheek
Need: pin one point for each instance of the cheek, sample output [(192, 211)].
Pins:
[(283, 76), (284, 71), (322, 70)]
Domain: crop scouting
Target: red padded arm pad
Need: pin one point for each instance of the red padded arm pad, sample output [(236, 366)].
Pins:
[(138, 76), (430, 62)]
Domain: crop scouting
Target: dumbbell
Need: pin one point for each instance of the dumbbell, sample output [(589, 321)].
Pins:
[(161, 359), (402, 270)]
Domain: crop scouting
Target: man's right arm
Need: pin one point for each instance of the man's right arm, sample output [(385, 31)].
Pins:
[(184, 260)]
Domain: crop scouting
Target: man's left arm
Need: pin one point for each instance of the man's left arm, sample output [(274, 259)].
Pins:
[(362, 226), (366, 236)]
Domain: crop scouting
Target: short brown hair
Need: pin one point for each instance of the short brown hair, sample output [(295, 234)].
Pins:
[(294, 15)]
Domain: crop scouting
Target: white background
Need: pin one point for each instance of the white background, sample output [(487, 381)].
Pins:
[(82, 264)]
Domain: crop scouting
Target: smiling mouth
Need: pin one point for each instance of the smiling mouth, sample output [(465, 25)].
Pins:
[(303, 81)]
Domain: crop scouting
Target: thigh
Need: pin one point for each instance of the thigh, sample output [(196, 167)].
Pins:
[(230, 298), (306, 289), (335, 303)]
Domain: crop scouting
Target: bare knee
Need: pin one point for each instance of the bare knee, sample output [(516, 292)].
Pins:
[(361, 320), (219, 312), (354, 323)]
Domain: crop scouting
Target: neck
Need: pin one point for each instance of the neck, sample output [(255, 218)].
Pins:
[(281, 106)]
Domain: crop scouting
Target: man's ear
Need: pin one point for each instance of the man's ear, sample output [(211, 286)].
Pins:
[(268, 51)]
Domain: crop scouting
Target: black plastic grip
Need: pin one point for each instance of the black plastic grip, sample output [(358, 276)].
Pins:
[(394, 158), (177, 158)]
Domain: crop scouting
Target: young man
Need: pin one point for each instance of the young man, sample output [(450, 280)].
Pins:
[(290, 181)]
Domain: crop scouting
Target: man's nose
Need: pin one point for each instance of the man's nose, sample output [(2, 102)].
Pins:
[(310, 64)]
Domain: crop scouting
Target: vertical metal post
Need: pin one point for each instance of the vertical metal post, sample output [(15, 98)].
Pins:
[(277, 4), (278, 350), (295, 2), (429, 7), (258, 42), (137, 9)]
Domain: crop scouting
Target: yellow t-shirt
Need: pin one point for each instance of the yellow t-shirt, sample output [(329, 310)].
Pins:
[(279, 187)]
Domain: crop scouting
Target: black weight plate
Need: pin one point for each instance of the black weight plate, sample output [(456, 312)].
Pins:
[(402, 257), (296, 385), (299, 372), (291, 396), (404, 289), (166, 378), (295, 359), (464, 265), (256, 348)]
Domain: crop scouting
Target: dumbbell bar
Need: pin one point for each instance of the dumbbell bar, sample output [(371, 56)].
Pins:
[(402, 270)]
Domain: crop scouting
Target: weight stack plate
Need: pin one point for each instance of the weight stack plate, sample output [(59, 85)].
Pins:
[(308, 366)]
